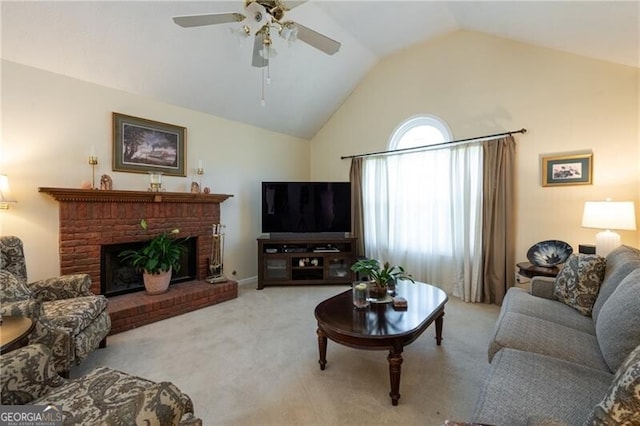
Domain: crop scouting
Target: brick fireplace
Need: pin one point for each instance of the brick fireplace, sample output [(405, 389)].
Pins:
[(90, 219)]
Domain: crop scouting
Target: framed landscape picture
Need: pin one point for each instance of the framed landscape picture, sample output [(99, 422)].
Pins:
[(567, 170), (142, 146)]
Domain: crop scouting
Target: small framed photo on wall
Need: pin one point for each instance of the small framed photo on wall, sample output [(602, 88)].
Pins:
[(558, 170)]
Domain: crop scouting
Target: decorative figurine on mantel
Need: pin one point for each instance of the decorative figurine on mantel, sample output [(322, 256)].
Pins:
[(106, 183), (196, 182)]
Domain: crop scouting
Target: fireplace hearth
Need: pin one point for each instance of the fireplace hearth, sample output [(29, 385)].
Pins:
[(118, 277)]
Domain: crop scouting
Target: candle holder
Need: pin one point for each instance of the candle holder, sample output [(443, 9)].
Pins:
[(155, 181), (196, 181), (93, 162)]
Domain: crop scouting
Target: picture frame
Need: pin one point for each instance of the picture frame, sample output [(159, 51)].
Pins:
[(562, 170), (143, 146)]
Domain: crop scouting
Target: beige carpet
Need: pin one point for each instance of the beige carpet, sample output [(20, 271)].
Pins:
[(254, 361)]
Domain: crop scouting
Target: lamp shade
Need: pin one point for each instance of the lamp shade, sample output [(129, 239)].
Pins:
[(5, 192), (609, 215)]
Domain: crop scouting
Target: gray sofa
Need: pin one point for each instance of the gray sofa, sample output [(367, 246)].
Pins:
[(552, 365)]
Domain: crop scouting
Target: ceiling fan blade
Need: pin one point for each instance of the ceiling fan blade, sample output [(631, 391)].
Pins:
[(290, 4), (258, 44), (207, 19), (317, 40)]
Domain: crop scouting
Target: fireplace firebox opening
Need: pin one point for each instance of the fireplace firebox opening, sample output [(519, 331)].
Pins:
[(118, 277)]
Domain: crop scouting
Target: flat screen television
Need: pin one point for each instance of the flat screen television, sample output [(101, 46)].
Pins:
[(306, 207)]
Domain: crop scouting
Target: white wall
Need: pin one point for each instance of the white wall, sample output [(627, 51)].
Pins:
[(481, 85), (50, 122)]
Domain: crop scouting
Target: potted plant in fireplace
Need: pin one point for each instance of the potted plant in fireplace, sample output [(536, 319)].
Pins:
[(157, 259), (382, 278)]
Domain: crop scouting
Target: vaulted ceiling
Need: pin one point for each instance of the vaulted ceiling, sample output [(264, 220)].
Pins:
[(136, 47)]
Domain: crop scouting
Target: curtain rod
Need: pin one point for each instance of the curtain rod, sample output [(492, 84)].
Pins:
[(415, 148)]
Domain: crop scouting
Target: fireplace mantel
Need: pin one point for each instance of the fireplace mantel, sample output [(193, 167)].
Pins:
[(93, 195)]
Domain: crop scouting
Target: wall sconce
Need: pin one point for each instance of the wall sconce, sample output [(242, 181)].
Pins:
[(608, 215), (5, 193)]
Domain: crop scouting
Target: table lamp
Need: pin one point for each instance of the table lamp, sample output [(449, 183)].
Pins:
[(608, 215), (5, 193)]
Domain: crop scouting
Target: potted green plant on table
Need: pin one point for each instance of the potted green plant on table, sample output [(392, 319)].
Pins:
[(157, 259), (382, 278)]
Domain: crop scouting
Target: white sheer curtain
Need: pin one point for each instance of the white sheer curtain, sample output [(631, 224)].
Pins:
[(423, 210)]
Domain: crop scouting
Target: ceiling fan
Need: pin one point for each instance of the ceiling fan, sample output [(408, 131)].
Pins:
[(263, 17)]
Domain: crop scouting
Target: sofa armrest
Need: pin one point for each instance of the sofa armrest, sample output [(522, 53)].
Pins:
[(64, 287), (25, 308), (543, 287), (58, 341), (160, 403), (27, 374)]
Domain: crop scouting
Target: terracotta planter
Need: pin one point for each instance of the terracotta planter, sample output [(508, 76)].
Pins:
[(157, 283)]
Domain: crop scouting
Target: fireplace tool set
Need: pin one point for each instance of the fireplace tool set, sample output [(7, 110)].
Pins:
[(216, 266)]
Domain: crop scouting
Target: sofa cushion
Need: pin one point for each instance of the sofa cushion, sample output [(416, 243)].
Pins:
[(620, 263), (618, 325), (521, 388), (621, 404), (518, 300), (578, 282), (530, 334), (75, 314), (12, 289)]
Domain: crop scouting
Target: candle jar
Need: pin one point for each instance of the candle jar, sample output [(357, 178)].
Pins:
[(155, 181), (360, 291)]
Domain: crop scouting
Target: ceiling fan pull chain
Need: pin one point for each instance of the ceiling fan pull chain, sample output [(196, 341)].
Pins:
[(268, 70), (262, 101)]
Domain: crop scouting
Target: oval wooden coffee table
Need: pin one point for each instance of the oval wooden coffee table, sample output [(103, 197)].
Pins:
[(380, 326)]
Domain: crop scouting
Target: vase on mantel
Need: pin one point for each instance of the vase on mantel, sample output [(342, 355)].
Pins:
[(156, 283)]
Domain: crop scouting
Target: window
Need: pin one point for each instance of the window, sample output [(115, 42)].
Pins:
[(422, 208), (420, 130)]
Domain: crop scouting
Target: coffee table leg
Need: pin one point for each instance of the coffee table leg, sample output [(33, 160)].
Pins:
[(322, 347), (395, 362), (439, 323)]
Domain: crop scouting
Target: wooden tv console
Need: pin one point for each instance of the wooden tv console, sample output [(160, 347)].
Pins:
[(313, 260)]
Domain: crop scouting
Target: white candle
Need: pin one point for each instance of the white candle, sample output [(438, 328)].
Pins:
[(199, 164), (93, 151)]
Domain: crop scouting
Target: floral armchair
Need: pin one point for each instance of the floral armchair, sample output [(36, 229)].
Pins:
[(103, 396), (69, 318)]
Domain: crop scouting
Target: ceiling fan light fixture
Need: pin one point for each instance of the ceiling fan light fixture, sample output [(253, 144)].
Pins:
[(289, 31), (268, 52), (240, 34)]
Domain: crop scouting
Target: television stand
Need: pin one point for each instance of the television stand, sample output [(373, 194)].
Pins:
[(310, 260)]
